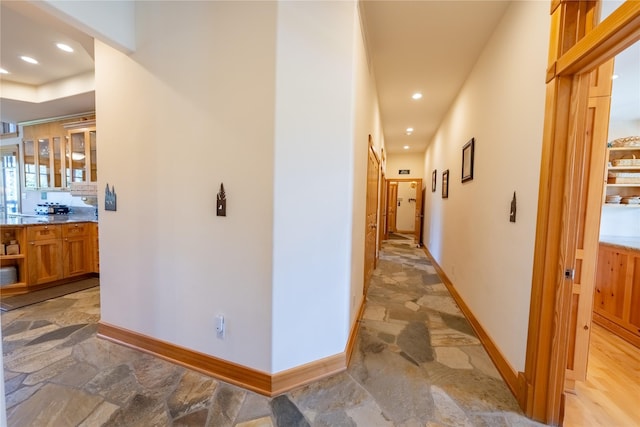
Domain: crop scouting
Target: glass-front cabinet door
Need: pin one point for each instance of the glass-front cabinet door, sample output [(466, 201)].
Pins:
[(55, 155), (76, 153), (30, 172), (44, 163)]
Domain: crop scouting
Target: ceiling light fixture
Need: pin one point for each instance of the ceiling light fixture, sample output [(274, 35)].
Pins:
[(417, 95), (406, 147), (28, 59), (64, 47), (3, 71), (409, 130)]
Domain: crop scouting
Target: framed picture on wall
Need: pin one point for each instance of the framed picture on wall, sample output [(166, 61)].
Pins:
[(434, 180), (445, 184), (467, 160)]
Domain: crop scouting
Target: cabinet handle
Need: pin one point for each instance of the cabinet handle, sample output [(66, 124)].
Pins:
[(32, 243)]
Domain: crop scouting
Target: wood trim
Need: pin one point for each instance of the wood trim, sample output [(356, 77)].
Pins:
[(616, 329), (355, 328), (242, 376), (260, 382), (617, 32), (514, 380), (301, 375)]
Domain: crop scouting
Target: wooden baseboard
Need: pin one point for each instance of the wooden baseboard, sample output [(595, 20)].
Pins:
[(616, 329), (509, 375), (242, 376)]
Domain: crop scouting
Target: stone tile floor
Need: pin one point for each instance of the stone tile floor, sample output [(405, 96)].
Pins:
[(417, 363)]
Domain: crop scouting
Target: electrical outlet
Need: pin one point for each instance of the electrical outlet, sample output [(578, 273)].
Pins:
[(220, 327)]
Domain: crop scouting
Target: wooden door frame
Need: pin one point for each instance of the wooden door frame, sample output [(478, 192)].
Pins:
[(389, 182), (577, 45)]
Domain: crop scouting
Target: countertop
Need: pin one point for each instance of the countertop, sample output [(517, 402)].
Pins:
[(632, 243), (20, 219)]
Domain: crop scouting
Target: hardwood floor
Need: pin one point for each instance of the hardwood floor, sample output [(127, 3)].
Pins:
[(611, 395)]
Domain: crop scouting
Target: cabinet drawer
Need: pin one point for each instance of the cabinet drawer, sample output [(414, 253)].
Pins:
[(43, 232), (76, 229)]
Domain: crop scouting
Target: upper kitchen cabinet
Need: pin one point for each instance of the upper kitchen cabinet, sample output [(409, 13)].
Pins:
[(55, 154)]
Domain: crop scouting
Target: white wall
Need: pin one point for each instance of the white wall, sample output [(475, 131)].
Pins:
[(413, 161), (314, 169), (193, 107), (366, 118), (501, 104)]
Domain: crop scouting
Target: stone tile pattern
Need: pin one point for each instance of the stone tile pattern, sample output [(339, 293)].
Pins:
[(416, 363)]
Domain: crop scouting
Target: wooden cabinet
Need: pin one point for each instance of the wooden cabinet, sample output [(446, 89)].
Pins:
[(55, 154), (617, 293), (16, 260), (623, 175), (96, 248), (58, 252), (44, 254), (76, 249)]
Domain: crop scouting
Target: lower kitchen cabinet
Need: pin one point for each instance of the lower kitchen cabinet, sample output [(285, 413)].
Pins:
[(58, 252), (76, 249), (44, 254)]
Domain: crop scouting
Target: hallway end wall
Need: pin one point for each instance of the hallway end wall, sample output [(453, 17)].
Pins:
[(488, 259)]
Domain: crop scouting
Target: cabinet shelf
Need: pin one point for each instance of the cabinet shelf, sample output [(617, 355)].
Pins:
[(6, 257), (636, 148), (624, 168), (623, 185)]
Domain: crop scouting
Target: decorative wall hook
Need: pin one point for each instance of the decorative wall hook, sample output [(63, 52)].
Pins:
[(221, 207), (110, 199)]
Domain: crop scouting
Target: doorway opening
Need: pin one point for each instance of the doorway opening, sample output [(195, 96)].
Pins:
[(404, 209)]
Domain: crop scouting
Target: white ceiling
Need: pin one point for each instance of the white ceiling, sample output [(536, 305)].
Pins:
[(425, 46)]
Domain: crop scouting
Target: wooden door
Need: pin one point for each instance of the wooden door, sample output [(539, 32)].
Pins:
[(45, 262), (371, 216), (418, 214), (392, 201), (590, 126), (383, 217)]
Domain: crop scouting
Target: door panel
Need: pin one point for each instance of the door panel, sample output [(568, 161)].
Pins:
[(393, 208), (418, 215), (589, 168), (371, 222)]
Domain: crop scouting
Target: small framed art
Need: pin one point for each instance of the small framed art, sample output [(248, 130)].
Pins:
[(467, 160), (434, 180), (445, 184)]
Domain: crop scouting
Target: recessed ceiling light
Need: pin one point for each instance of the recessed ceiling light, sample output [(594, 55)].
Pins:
[(409, 130), (28, 59), (406, 147), (64, 47), (3, 71), (417, 95), (615, 76)]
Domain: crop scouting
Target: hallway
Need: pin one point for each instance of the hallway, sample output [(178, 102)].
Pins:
[(417, 363)]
